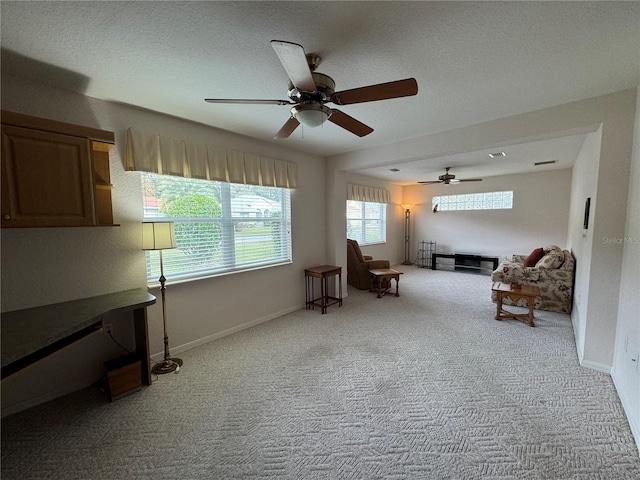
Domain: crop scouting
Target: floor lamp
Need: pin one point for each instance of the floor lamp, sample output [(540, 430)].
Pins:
[(407, 220), (161, 236)]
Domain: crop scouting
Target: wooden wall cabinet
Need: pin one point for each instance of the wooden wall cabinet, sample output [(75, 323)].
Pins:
[(54, 174)]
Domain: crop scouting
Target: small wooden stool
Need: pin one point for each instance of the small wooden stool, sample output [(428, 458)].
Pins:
[(378, 277), (528, 292)]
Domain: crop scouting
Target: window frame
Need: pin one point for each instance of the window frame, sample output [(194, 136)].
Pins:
[(365, 219), (475, 201), (229, 220)]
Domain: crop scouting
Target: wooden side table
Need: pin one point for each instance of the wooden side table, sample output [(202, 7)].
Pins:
[(323, 272), (528, 292), (379, 276)]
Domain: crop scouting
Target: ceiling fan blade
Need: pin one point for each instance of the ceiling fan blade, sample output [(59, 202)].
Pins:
[(349, 123), (247, 101), (430, 182), (470, 180), (287, 129), (294, 61), (381, 91)]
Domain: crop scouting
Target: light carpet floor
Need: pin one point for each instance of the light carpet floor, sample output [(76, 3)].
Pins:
[(423, 386)]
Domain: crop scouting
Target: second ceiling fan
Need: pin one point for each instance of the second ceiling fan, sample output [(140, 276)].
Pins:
[(450, 178), (309, 91)]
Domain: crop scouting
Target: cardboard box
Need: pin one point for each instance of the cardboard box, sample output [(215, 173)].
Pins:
[(124, 376)]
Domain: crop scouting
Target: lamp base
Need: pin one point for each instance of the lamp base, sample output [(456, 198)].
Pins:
[(406, 262), (168, 365)]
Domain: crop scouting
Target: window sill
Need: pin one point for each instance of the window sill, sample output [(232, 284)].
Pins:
[(371, 244), (205, 276)]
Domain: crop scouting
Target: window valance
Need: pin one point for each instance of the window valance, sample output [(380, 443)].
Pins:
[(147, 152), (362, 193)]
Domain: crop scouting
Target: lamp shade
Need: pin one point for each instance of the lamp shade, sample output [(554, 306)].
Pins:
[(311, 114), (158, 235), (406, 206)]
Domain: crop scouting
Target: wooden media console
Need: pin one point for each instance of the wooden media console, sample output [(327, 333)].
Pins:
[(466, 262)]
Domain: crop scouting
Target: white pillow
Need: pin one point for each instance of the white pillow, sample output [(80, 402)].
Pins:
[(553, 259)]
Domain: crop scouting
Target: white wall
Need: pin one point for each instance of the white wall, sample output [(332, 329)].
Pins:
[(584, 184), (538, 218), (42, 266), (626, 368), (609, 219)]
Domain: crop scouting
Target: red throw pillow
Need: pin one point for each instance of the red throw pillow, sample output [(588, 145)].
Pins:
[(534, 257)]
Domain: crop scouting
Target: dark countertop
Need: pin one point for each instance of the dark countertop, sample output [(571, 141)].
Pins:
[(24, 332)]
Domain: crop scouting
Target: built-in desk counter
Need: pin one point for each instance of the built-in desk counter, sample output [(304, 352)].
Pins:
[(32, 334)]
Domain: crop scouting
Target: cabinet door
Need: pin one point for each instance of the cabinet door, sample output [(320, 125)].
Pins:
[(46, 179)]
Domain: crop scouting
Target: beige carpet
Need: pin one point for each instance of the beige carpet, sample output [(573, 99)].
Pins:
[(424, 386)]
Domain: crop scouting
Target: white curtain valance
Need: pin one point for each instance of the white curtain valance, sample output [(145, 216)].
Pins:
[(147, 152), (362, 193)]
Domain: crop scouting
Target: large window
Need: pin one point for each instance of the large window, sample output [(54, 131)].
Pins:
[(473, 201), (366, 222), (220, 227)]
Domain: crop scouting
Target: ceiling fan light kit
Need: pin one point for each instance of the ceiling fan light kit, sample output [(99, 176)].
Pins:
[(311, 114), (309, 91)]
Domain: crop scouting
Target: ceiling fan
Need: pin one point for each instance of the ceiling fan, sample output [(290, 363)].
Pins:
[(450, 178), (309, 91)]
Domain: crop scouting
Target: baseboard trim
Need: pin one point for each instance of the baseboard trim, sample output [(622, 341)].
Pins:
[(157, 357), (626, 406), (576, 336), (599, 367)]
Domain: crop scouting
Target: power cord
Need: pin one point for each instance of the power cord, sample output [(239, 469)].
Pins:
[(155, 376), (177, 370), (118, 343)]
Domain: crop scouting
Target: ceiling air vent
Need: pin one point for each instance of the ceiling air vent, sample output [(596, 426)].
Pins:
[(394, 169), (548, 162), (497, 154)]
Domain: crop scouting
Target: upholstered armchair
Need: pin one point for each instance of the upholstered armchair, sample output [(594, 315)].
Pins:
[(358, 266), (551, 269)]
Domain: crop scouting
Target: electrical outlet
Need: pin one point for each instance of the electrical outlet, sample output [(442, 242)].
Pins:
[(107, 327)]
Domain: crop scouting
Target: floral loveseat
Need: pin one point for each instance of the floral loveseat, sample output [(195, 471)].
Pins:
[(551, 269)]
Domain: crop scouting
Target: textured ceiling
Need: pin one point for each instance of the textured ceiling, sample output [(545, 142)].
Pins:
[(474, 61)]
